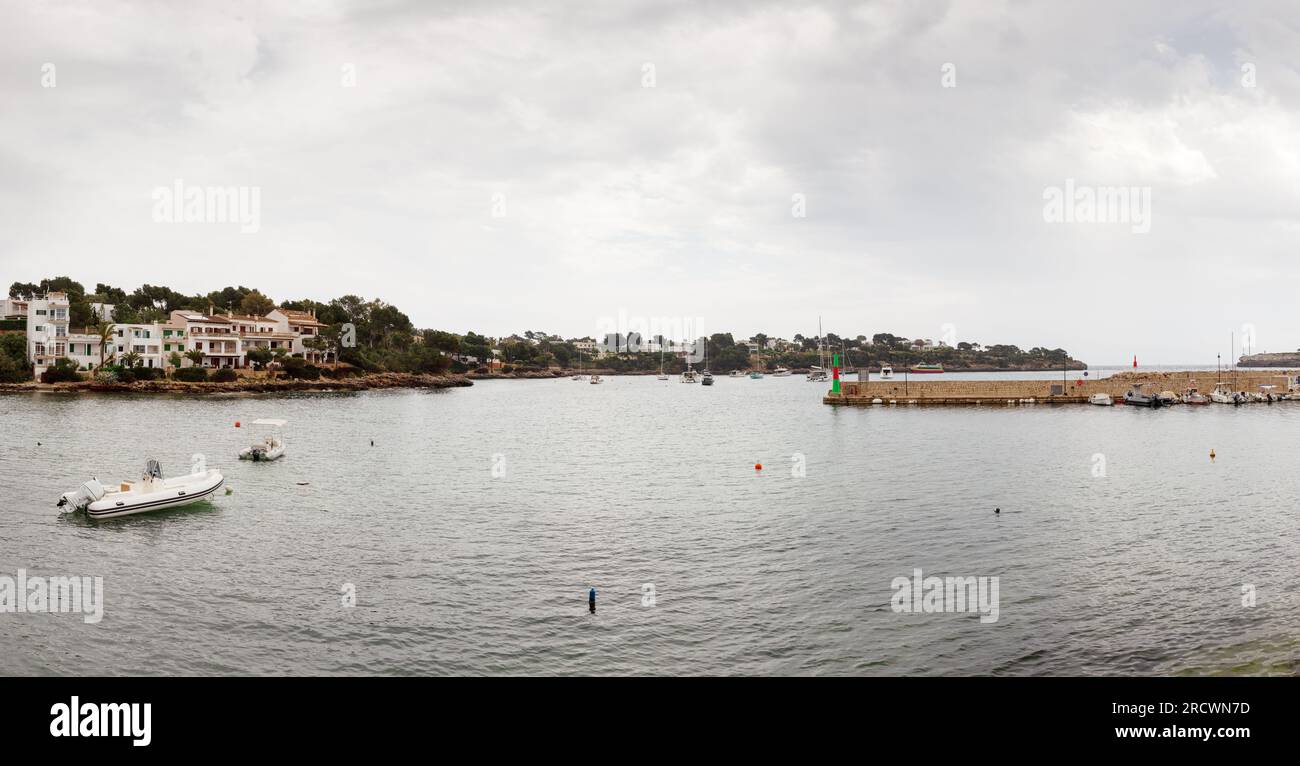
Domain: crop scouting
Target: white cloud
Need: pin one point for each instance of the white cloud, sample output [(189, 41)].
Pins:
[(924, 203)]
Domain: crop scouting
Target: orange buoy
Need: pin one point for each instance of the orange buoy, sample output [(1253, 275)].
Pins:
[(758, 466), (236, 424)]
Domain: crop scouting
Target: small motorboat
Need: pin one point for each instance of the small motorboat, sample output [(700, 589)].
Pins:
[(886, 373), (706, 378), (661, 376), (690, 376), (1168, 397), (1101, 400), (927, 368), (151, 493), (579, 377), (736, 374), (269, 447), (1192, 396), (756, 375), (817, 375), (780, 372), (1135, 397), (596, 380)]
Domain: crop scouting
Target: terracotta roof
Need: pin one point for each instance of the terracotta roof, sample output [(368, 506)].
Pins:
[(301, 317)]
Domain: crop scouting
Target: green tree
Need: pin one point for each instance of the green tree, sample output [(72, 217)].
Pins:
[(14, 367), (256, 304), (195, 356), (260, 357), (105, 332)]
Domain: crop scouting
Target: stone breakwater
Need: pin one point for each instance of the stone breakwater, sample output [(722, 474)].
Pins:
[(1076, 388), (248, 385)]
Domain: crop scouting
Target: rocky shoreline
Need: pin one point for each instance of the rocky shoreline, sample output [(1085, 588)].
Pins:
[(248, 385)]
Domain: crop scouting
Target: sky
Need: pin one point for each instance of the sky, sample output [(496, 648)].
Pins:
[(731, 167)]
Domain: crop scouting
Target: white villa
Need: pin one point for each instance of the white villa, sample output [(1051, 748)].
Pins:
[(224, 340)]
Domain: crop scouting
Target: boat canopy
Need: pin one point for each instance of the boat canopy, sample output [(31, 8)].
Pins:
[(277, 422)]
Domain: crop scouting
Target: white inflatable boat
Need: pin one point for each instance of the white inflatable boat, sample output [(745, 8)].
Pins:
[(151, 493)]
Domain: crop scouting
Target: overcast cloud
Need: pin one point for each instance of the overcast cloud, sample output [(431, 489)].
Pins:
[(924, 203)]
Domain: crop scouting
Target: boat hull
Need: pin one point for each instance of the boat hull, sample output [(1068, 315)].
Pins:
[(116, 504)]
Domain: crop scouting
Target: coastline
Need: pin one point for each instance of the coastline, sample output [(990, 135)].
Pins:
[(251, 385)]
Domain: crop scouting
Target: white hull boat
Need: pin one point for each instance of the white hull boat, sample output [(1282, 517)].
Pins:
[(269, 447), (596, 380), (817, 375), (1101, 400), (151, 493), (780, 372), (886, 373)]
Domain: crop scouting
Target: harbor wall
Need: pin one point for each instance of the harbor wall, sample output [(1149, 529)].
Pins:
[(931, 389)]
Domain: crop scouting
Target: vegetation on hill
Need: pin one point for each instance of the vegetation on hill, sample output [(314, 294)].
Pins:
[(385, 340)]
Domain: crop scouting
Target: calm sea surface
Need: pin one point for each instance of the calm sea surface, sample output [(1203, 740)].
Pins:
[(458, 568)]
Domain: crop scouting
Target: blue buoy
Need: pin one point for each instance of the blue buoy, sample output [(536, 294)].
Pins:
[(591, 600)]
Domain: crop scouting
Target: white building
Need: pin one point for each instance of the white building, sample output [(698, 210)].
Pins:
[(103, 312), (47, 330), (302, 325), (223, 340), (143, 340), (215, 336)]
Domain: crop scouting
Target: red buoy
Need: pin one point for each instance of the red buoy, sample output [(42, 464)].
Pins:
[(758, 466), (236, 424)]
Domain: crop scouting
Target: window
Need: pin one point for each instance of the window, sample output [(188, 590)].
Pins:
[(39, 328), (40, 312), (40, 349)]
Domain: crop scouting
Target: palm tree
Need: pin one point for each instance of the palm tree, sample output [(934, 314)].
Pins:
[(105, 331), (131, 359), (195, 356)]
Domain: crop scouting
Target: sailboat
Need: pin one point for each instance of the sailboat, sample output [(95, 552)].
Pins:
[(661, 376), (706, 378), (818, 373)]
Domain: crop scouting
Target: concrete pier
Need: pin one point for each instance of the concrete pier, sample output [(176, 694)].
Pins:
[(1075, 390)]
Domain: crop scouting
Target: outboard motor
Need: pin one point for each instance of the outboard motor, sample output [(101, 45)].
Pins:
[(83, 496)]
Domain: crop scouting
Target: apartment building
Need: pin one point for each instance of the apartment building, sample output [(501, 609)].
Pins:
[(47, 329), (215, 336), (143, 340), (223, 340), (302, 325)]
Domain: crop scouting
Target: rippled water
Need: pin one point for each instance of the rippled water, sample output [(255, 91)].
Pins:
[(640, 481)]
